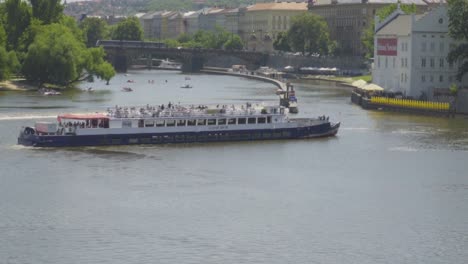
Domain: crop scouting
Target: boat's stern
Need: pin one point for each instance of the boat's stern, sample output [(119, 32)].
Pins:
[(27, 137)]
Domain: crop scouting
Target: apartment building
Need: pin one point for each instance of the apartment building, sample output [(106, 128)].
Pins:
[(348, 19), (411, 54)]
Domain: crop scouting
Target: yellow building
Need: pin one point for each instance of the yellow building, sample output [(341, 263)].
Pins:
[(260, 23)]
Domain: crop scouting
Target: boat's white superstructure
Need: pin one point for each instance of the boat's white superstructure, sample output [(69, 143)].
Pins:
[(176, 123)]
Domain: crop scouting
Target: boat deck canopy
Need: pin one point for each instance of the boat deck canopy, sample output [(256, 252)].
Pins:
[(82, 116)]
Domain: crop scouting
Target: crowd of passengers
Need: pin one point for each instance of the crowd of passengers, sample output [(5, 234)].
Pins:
[(155, 111), (94, 123)]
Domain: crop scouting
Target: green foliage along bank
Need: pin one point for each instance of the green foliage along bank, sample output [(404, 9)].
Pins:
[(39, 42), (308, 34)]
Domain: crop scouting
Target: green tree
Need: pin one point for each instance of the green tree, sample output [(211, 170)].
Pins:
[(47, 11), (234, 43), (57, 57), (309, 33), (17, 18), (458, 29), (128, 29), (367, 38), (94, 29), (281, 42), (172, 43)]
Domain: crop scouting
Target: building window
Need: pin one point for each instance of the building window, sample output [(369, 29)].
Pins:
[(431, 79), (441, 78), (450, 78), (386, 61), (423, 46), (406, 62), (378, 62), (432, 48), (402, 62), (401, 77), (441, 62), (432, 63), (423, 62), (423, 78), (406, 78), (442, 47), (393, 62)]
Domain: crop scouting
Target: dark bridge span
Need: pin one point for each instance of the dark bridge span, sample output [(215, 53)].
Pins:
[(121, 52)]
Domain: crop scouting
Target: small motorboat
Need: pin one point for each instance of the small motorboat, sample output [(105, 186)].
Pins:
[(127, 89), (186, 86), (48, 92), (130, 81)]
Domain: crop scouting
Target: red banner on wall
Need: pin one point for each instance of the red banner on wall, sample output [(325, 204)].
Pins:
[(387, 46)]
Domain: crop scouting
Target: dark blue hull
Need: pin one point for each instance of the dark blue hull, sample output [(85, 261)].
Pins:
[(322, 130)]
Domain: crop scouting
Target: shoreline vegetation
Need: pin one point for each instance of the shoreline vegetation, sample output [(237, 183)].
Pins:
[(17, 85)]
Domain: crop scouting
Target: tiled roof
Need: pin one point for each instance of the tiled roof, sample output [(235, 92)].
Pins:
[(278, 6)]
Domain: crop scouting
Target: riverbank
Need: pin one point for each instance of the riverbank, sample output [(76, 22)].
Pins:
[(211, 70), (347, 81), (16, 85)]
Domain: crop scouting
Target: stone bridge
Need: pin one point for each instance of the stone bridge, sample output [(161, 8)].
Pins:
[(123, 53)]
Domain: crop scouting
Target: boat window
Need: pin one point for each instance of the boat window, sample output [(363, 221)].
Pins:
[(170, 122), (231, 121), (269, 119), (261, 120), (133, 141), (126, 123), (211, 122), (149, 123), (222, 121), (191, 122), (241, 121), (252, 120), (160, 123), (181, 122), (201, 122)]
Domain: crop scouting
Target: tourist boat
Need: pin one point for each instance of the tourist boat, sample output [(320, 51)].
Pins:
[(175, 124), (186, 86), (169, 65)]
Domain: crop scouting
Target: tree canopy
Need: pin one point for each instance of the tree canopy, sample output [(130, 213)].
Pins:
[(94, 29), (40, 42), (128, 29), (57, 57), (218, 39), (281, 42), (458, 29), (368, 34), (47, 11), (309, 33)]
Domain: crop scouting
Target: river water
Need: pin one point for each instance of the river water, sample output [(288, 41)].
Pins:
[(390, 188)]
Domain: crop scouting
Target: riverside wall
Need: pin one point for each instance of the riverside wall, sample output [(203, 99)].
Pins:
[(351, 63), (224, 71)]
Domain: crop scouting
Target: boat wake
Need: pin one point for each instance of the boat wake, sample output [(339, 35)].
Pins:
[(8, 117)]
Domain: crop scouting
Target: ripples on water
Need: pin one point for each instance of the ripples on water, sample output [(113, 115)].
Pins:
[(389, 188)]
